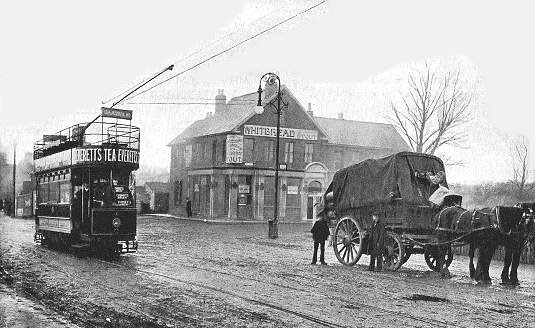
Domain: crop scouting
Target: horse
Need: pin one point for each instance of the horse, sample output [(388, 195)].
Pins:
[(518, 236), (484, 230), (473, 227)]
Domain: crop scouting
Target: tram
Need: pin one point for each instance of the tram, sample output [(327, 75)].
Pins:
[(85, 184)]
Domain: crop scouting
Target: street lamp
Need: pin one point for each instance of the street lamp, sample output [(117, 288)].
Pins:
[(273, 231)]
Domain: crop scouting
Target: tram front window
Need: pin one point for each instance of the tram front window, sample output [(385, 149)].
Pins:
[(111, 189)]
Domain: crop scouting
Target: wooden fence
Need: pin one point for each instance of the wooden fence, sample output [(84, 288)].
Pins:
[(527, 257)]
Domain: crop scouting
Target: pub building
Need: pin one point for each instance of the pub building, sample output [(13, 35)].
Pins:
[(225, 162)]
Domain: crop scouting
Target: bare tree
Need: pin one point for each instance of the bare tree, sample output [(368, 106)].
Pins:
[(520, 161), (432, 112)]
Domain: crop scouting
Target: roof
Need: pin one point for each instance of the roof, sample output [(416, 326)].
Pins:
[(158, 186), (238, 110), (363, 134)]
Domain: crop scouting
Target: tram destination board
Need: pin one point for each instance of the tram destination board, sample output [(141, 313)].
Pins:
[(117, 113)]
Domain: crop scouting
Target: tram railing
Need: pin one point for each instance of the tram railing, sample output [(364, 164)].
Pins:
[(105, 132)]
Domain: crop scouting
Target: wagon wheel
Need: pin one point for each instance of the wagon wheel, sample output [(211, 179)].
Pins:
[(431, 258), (408, 253), (347, 241), (393, 252)]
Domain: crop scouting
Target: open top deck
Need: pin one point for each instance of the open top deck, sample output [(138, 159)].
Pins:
[(109, 141)]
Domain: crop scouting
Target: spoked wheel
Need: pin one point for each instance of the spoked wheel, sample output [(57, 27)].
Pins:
[(347, 241), (431, 258), (408, 253), (393, 252)]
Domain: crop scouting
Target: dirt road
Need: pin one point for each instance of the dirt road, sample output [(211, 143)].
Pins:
[(189, 274)]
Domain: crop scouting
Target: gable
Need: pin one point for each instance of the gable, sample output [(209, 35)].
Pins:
[(294, 118)]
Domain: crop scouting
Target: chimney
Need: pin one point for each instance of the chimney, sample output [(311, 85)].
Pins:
[(309, 111), (220, 102), (340, 116)]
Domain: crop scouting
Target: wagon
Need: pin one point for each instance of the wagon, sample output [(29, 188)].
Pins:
[(398, 187)]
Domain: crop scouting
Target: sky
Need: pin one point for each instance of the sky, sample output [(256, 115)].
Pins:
[(59, 60)]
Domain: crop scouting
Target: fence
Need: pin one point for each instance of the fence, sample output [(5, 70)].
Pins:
[(527, 256)]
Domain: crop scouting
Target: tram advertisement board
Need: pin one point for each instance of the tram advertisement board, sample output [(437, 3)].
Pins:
[(87, 155), (103, 154)]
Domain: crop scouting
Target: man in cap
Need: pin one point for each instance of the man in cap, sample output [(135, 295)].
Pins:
[(376, 242)]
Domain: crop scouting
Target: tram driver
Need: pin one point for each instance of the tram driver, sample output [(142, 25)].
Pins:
[(103, 193)]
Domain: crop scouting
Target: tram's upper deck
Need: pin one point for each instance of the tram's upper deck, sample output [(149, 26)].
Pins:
[(103, 140)]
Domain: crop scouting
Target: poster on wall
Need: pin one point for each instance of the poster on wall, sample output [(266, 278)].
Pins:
[(234, 149)]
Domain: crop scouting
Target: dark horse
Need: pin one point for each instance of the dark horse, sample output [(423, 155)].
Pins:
[(484, 230), (518, 236)]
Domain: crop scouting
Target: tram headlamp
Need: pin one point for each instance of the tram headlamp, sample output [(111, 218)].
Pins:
[(116, 222)]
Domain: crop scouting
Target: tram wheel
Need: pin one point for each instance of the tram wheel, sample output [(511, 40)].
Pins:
[(347, 241)]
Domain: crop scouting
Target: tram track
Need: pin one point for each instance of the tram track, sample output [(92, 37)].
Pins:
[(432, 322), (302, 315), (352, 303)]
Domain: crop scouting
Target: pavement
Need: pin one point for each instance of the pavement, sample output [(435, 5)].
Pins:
[(221, 221)]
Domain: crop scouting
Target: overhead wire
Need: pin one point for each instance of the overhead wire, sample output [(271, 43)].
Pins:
[(226, 36), (227, 49)]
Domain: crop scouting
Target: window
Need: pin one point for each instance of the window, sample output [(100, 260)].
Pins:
[(338, 160), (178, 192), (289, 152), (204, 154), (214, 151), (309, 150), (53, 195), (188, 155), (224, 151), (65, 192), (248, 152), (269, 150)]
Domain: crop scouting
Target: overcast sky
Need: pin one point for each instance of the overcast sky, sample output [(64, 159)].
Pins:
[(60, 59)]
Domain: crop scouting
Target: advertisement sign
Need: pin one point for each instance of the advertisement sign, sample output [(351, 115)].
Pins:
[(107, 155), (243, 189), (234, 148), (288, 133), (116, 113), (292, 190)]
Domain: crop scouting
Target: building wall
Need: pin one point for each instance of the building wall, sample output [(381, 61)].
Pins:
[(246, 191)]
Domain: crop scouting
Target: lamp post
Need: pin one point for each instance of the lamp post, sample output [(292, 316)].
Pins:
[(269, 77)]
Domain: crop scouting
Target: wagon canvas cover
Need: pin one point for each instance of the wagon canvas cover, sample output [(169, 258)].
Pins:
[(404, 176)]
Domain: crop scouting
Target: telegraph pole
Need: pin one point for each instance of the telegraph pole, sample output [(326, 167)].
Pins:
[(14, 171)]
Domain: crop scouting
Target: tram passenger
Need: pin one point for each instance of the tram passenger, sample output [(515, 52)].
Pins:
[(80, 205), (376, 243)]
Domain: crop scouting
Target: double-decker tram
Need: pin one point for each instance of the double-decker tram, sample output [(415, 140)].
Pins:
[(85, 184)]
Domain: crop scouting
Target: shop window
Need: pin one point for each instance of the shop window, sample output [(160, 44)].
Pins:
[(289, 152), (309, 150)]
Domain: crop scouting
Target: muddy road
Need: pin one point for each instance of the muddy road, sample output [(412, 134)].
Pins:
[(192, 274)]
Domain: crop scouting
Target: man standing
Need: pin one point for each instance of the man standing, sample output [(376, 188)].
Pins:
[(320, 233), (188, 207), (376, 243)]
